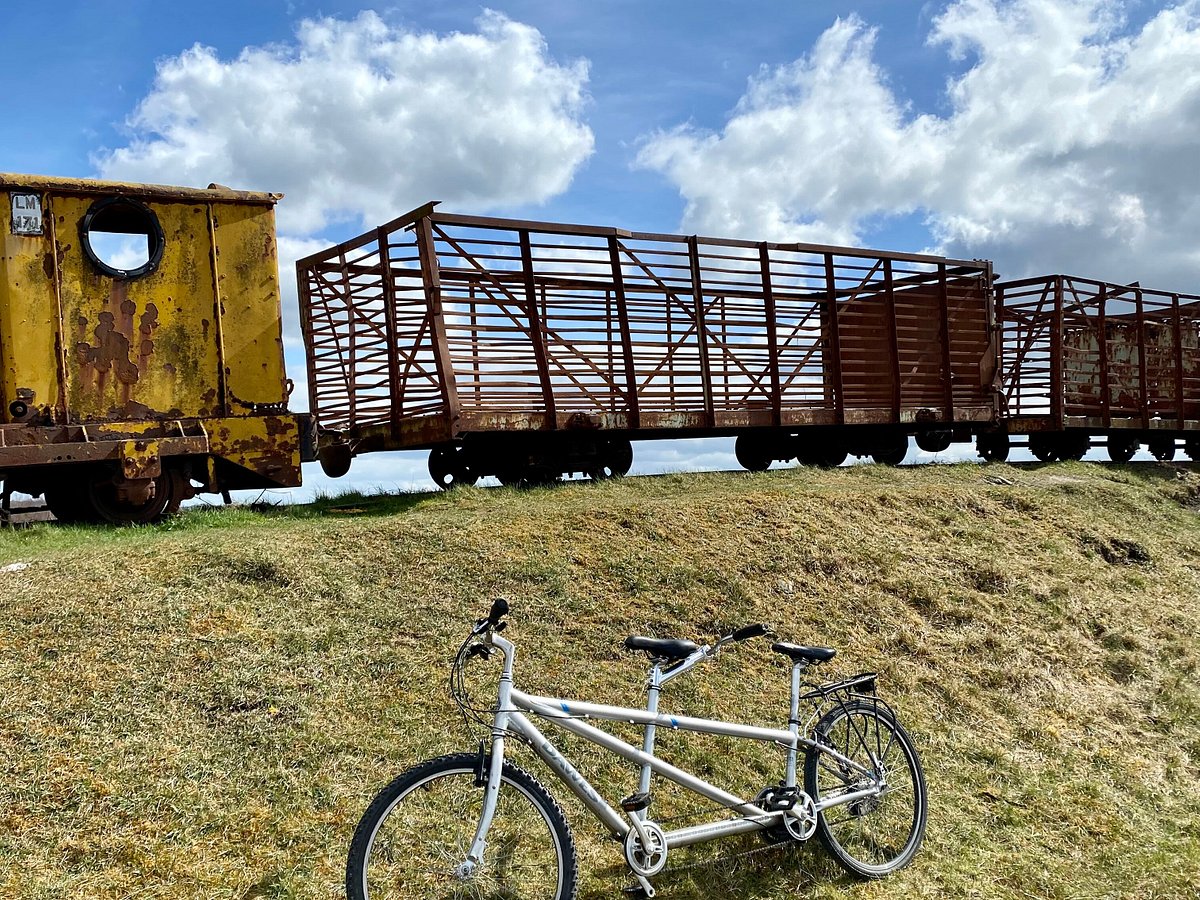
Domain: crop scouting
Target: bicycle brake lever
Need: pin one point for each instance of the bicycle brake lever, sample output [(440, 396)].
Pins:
[(481, 650)]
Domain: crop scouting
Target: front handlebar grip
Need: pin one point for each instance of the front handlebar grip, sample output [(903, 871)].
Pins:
[(758, 629), (498, 611)]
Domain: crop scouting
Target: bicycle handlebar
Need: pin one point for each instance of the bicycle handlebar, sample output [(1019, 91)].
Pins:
[(492, 621), (499, 609), (758, 629)]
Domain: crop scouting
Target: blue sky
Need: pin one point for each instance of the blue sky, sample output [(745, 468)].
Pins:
[(1048, 136)]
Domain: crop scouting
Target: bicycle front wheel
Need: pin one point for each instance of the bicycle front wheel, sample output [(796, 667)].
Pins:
[(873, 836), (417, 832)]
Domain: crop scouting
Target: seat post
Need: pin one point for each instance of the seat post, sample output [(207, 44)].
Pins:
[(794, 720), (653, 686)]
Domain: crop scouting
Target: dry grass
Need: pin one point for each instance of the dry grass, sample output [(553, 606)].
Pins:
[(205, 709)]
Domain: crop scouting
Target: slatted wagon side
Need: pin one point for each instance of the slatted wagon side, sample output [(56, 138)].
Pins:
[(1087, 361), (527, 350)]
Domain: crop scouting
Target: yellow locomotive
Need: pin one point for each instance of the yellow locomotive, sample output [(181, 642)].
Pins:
[(141, 353)]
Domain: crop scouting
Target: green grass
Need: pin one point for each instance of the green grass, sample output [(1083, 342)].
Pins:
[(204, 709)]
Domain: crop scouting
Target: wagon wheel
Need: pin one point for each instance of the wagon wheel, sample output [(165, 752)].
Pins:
[(816, 453), (1121, 448), (512, 476), (1192, 448), (526, 475), (753, 453), (1162, 449), (993, 447), (335, 459), (891, 454), (614, 460), (1043, 447), (620, 455), (448, 466), (1074, 446), (830, 456), (105, 504), (934, 441)]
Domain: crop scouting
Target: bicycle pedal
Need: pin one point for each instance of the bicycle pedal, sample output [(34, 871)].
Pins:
[(643, 891), (780, 799), (636, 803)]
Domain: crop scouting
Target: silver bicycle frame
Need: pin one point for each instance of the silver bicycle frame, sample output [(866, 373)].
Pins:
[(569, 715)]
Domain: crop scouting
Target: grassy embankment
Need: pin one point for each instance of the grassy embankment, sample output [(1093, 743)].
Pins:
[(204, 709)]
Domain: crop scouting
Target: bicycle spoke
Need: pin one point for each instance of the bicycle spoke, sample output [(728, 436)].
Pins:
[(872, 832), (428, 834)]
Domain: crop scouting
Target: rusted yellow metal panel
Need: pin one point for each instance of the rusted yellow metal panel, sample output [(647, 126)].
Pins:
[(268, 446), (141, 459), (248, 284), (28, 321), (142, 346)]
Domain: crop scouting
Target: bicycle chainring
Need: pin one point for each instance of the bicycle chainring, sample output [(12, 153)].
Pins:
[(646, 861), (802, 828)]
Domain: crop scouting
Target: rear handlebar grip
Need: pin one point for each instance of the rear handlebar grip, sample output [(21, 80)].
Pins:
[(758, 629), (499, 609)]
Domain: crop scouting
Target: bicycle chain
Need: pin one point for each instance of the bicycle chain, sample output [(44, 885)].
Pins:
[(786, 846)]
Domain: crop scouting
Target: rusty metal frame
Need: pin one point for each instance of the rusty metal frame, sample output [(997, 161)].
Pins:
[(526, 321), (1164, 375)]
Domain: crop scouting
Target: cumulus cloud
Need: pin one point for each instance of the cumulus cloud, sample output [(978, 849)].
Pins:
[(360, 120), (1069, 143)]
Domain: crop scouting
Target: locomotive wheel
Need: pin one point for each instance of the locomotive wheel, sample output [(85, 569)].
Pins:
[(104, 502), (993, 447), (67, 499), (893, 453), (1121, 449), (753, 452), (934, 441), (1044, 447), (448, 466), (1162, 449)]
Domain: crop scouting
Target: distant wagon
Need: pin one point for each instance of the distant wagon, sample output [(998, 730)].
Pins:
[(529, 350), (1086, 361), (141, 356)]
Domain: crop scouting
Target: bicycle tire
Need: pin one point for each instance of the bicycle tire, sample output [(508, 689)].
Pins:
[(429, 850), (838, 728)]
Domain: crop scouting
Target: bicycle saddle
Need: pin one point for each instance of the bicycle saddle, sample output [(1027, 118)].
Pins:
[(805, 654), (672, 649)]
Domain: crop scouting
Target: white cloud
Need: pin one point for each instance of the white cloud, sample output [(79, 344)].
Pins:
[(1069, 144), (359, 120)]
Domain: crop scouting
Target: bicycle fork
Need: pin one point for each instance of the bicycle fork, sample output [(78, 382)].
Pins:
[(495, 768)]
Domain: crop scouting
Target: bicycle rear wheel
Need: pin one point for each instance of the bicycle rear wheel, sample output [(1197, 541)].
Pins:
[(420, 827), (877, 835)]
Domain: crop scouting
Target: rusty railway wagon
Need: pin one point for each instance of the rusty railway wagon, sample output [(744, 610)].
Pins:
[(141, 354), (529, 350), (1087, 362)]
